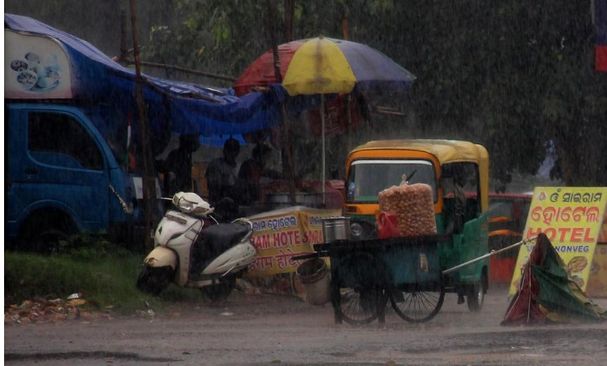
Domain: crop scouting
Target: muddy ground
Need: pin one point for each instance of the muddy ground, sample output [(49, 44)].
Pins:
[(283, 330)]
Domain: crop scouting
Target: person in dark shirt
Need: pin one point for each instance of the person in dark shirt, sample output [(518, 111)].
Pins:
[(221, 174), (177, 167), (250, 174)]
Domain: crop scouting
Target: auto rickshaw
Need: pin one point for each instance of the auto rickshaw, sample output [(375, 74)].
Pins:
[(446, 166)]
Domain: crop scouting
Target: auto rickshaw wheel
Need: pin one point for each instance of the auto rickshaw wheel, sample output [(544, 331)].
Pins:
[(361, 297), (475, 296), (417, 306)]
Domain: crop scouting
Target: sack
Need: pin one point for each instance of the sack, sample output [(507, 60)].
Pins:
[(413, 206)]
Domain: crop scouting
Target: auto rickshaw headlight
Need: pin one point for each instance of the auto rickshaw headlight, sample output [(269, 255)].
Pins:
[(356, 230)]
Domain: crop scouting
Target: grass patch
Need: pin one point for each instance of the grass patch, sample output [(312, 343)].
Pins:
[(104, 273)]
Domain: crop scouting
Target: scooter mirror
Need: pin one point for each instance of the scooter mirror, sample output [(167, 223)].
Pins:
[(191, 203)]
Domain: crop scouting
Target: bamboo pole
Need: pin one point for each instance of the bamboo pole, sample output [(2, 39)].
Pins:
[(349, 122), (123, 42), (324, 173), (149, 178), (287, 140), (184, 69), (493, 252), (289, 6)]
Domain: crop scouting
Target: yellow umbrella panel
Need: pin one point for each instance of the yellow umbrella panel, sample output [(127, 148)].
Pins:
[(319, 67)]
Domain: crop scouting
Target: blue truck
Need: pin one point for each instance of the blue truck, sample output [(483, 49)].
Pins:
[(71, 134), (62, 177)]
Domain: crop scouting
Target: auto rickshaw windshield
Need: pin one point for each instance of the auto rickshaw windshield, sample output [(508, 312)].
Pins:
[(367, 178)]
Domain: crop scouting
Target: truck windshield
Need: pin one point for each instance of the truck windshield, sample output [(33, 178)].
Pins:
[(369, 177)]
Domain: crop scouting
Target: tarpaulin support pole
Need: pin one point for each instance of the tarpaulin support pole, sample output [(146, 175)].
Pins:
[(288, 141), (149, 176), (493, 252), (323, 173)]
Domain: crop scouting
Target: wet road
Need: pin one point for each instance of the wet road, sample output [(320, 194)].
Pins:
[(280, 330)]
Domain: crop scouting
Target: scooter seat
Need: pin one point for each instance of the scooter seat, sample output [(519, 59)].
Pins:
[(213, 241), (221, 237)]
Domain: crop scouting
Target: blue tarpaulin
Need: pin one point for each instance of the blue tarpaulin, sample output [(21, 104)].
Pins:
[(176, 107)]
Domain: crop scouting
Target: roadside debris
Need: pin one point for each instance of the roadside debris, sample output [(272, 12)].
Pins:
[(43, 310)]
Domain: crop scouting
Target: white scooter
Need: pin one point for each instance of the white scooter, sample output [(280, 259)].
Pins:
[(192, 249)]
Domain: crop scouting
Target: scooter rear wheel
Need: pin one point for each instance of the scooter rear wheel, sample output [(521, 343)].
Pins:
[(219, 291)]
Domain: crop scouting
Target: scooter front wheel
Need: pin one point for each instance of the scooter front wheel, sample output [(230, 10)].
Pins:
[(153, 280), (219, 291)]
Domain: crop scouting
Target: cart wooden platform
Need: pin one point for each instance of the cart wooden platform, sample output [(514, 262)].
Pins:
[(366, 274)]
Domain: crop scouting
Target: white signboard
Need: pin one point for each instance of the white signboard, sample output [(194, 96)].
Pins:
[(35, 67)]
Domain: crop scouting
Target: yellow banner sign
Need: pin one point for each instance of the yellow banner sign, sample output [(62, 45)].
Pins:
[(281, 234), (597, 283), (571, 218)]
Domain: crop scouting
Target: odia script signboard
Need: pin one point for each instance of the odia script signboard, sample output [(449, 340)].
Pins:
[(571, 218), (278, 235)]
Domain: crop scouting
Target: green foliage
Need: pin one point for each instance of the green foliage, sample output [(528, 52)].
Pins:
[(511, 75), (103, 273)]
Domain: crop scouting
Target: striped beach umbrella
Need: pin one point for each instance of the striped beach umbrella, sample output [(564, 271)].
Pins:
[(320, 66)]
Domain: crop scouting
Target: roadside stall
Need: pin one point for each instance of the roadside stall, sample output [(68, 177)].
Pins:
[(278, 236)]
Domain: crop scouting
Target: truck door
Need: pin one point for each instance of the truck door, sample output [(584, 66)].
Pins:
[(60, 164)]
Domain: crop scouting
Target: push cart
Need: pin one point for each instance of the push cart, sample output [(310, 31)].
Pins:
[(366, 274)]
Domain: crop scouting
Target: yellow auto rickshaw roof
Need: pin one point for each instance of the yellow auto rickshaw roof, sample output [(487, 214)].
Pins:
[(446, 151)]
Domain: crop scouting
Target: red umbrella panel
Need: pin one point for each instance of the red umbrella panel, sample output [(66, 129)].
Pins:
[(261, 72)]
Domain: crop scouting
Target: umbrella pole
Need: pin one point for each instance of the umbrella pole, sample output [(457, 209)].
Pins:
[(349, 123), (288, 137), (322, 120)]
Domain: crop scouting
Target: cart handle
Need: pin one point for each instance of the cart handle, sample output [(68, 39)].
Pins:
[(304, 256), (493, 252)]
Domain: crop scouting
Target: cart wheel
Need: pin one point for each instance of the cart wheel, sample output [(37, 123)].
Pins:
[(417, 306), (363, 300)]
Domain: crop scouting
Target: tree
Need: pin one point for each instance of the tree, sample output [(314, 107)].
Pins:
[(515, 76)]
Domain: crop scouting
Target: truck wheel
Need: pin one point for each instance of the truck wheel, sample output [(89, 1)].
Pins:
[(153, 280), (46, 232)]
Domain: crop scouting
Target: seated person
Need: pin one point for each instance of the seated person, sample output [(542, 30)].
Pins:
[(453, 191), (177, 167), (251, 173), (221, 174)]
